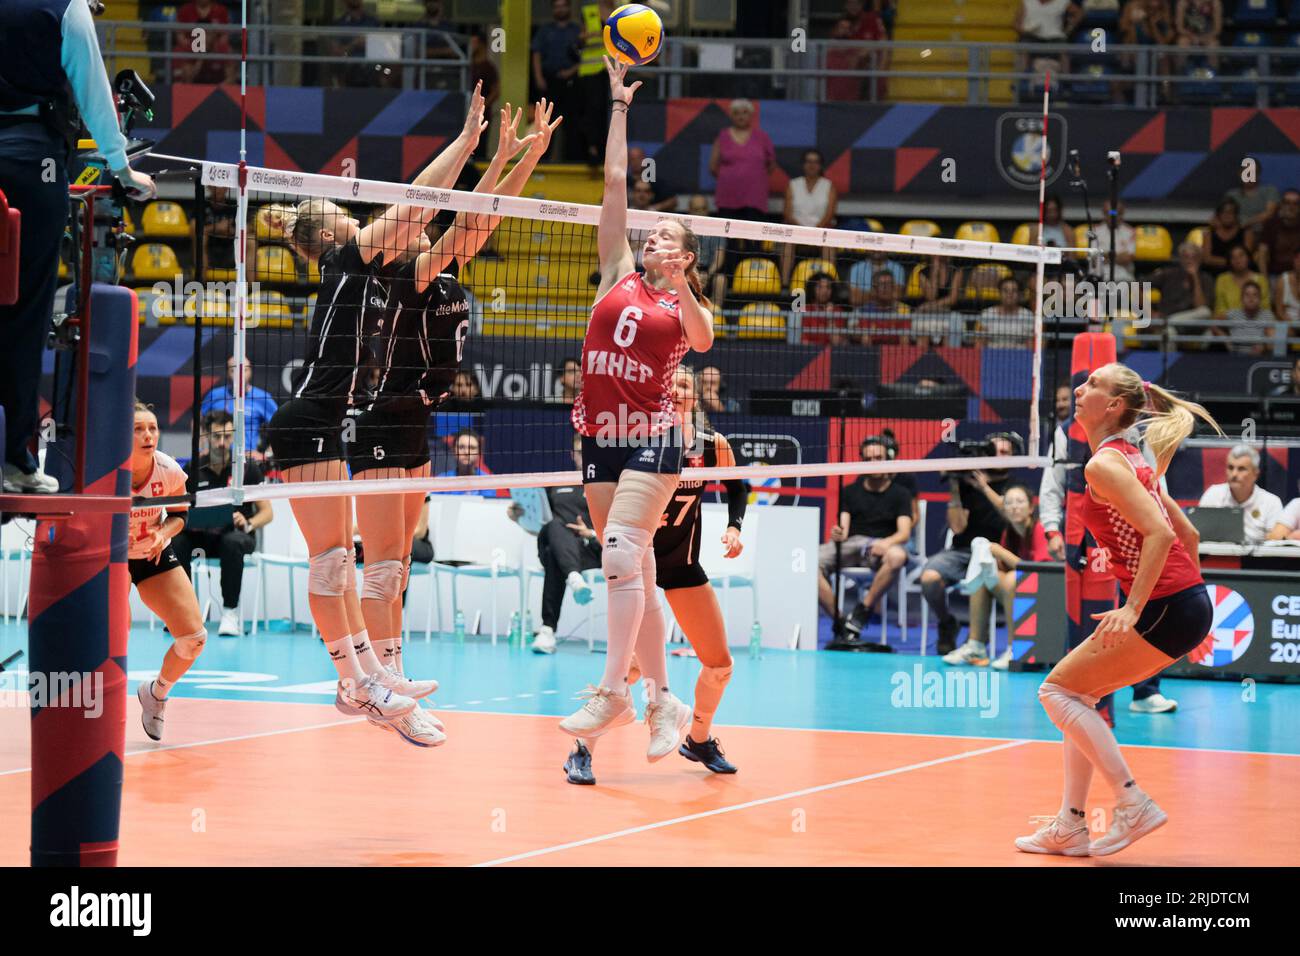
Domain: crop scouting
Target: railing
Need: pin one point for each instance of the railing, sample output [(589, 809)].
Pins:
[(1144, 77)]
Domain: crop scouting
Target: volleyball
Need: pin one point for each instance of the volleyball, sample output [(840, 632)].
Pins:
[(633, 34)]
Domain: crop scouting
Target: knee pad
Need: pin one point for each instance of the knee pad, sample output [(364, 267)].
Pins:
[(716, 677), (382, 580), (623, 550), (1058, 701), (328, 572), (190, 646)]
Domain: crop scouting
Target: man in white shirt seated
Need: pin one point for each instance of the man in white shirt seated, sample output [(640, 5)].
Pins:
[(1262, 509), (1288, 523)]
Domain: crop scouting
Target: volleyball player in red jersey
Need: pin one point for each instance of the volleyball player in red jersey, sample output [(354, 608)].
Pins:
[(640, 327), (1152, 549)]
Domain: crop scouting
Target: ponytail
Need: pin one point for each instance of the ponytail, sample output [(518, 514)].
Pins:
[(1168, 419)]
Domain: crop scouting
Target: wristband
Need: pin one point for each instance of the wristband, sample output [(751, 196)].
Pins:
[(619, 103)]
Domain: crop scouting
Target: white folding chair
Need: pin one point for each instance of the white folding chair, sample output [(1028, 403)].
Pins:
[(13, 548), (208, 565), (297, 559), (485, 544)]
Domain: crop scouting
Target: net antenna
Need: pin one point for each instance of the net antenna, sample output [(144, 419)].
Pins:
[(1036, 387)]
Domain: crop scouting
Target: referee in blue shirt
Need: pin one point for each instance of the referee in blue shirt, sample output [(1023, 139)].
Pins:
[(49, 59)]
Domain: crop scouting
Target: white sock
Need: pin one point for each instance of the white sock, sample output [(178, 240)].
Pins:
[(388, 650), (1078, 778), (397, 655), (160, 687), (345, 659), (1076, 716), (652, 638), (366, 657), (625, 609)]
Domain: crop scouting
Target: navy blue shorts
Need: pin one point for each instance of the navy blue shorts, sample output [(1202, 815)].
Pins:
[(142, 569), (660, 455), (1178, 623)]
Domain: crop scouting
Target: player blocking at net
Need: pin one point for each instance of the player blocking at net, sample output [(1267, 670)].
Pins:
[(307, 431), (155, 570), (427, 325), (639, 329)]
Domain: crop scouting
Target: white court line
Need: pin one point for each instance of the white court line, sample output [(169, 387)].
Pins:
[(752, 803)]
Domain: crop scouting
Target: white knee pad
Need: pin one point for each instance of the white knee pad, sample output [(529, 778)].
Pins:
[(1059, 702), (716, 677), (190, 646), (328, 572), (382, 580), (623, 550)]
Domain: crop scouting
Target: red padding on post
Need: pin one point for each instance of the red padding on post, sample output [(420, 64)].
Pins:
[(10, 230)]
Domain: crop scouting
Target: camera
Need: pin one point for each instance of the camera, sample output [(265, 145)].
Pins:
[(984, 448)]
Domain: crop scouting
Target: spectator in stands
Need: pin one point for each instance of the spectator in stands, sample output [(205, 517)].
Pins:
[(867, 26), (1047, 21), (1198, 24), (863, 272), (883, 317), (1007, 324), (875, 524), (742, 162), (1250, 329), (219, 231), (1056, 231), (974, 511), (825, 322), (1289, 389), (1062, 402), (712, 254), (639, 171), (1225, 231), (1287, 295), (1147, 23), (1125, 246), (641, 199), (1228, 286), (936, 318), (846, 58), (1186, 292), (1261, 510), (482, 71), (227, 542), (713, 392), (1022, 539), (438, 45), (568, 383), (1288, 523), (557, 52), (1256, 203), (1279, 236), (468, 449), (353, 46), (259, 406), (566, 546), (810, 200), (210, 66), (464, 394)]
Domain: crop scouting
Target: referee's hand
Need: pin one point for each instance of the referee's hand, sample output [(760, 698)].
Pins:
[(139, 186)]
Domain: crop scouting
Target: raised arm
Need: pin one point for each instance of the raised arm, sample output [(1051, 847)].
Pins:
[(616, 258)]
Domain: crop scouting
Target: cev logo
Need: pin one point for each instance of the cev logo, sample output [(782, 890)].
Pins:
[(1231, 632)]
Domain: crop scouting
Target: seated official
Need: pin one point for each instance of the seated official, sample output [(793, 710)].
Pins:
[(231, 542), (468, 448), (566, 547), (1288, 523), (874, 528), (1261, 510)]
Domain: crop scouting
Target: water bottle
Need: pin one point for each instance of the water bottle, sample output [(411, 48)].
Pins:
[(515, 630), (460, 627), (528, 626), (756, 641)]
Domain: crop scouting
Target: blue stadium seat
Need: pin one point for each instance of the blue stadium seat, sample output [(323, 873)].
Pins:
[(1245, 66), (1206, 90), (1093, 17), (1291, 92), (1255, 11), (1085, 56), (1096, 90)]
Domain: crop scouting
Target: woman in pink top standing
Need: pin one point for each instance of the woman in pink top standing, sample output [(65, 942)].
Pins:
[(743, 159)]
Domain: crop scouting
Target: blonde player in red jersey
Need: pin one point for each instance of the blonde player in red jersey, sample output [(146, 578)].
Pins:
[(155, 570), (632, 451), (1152, 549)]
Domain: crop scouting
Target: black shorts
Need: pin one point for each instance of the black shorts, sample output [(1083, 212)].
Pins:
[(142, 569), (304, 431), (391, 435), (679, 575), (1178, 623), (659, 455)]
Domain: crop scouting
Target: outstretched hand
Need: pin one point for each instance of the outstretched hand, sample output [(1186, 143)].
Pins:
[(509, 142), (672, 266), (617, 74), (543, 128), (475, 124)]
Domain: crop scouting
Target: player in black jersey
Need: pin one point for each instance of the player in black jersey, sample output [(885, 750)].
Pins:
[(686, 585), (427, 323), (306, 432)]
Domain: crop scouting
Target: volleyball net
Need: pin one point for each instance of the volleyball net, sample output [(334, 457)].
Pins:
[(823, 337)]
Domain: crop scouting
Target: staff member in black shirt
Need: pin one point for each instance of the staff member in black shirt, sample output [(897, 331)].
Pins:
[(235, 540), (974, 511), (874, 527)]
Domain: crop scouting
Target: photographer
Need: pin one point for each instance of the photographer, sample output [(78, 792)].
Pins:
[(49, 59), (974, 511)]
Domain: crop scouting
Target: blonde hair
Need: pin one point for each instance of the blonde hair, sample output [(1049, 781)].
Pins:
[(1168, 419), (700, 418), (300, 225)]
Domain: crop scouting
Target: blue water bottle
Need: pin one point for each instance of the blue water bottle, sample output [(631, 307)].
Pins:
[(756, 641), (460, 627), (515, 630)]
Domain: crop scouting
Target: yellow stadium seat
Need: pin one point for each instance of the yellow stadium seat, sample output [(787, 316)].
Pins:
[(154, 309), (914, 288), (162, 218), (155, 261), (1025, 234), (982, 284), (64, 272), (276, 264), (212, 306), (875, 225), (920, 227), (128, 221), (761, 320), (219, 275), (1154, 244), (756, 277), (977, 232), (810, 267), (270, 310), (1196, 236)]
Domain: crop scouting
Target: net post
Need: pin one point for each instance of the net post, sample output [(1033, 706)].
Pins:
[(1036, 376)]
